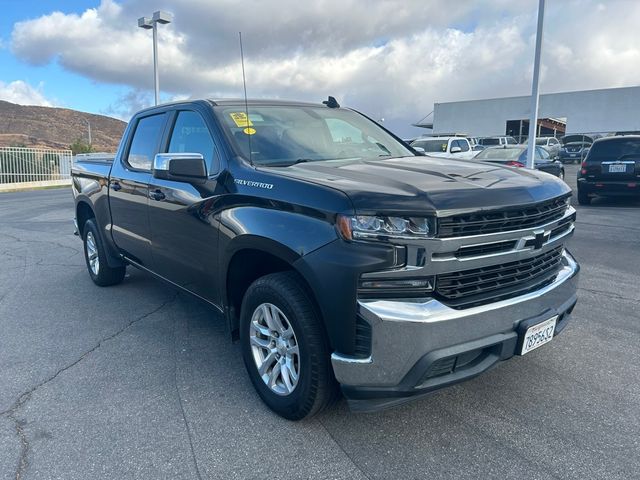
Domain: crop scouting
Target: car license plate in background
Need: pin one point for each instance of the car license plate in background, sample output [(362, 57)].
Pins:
[(617, 168), (538, 335)]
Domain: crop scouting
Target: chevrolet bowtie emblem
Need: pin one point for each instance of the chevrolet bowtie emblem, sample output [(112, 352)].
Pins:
[(540, 239)]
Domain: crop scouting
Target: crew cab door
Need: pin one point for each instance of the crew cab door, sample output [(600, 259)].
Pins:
[(129, 185), (462, 148), (181, 213)]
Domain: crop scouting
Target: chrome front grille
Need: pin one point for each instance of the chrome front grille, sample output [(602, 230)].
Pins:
[(503, 220), (478, 286)]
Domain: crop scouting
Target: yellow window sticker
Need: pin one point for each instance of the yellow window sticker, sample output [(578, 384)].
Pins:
[(249, 131), (241, 120)]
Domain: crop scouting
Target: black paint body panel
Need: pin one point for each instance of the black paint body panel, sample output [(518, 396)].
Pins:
[(189, 233)]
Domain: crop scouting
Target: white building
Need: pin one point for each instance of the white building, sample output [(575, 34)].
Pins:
[(589, 111)]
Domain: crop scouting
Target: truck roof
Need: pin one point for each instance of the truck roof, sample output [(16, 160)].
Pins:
[(236, 101)]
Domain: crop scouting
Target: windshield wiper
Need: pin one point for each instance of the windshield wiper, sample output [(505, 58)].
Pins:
[(289, 164)]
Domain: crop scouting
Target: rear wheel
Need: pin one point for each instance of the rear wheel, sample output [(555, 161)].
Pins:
[(284, 347), (583, 197), (95, 256)]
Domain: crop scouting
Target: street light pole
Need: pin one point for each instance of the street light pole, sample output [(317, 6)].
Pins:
[(89, 127), (533, 120), (152, 23), (156, 78)]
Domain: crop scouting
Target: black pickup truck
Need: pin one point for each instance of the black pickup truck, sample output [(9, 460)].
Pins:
[(337, 254)]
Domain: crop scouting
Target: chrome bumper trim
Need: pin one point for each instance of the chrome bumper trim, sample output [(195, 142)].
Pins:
[(405, 330)]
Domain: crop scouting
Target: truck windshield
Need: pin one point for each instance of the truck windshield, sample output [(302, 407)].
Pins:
[(285, 135)]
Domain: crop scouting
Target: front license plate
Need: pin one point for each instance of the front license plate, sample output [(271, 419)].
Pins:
[(573, 155), (617, 168), (538, 335)]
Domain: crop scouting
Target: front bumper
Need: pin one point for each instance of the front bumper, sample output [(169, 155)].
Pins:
[(422, 345)]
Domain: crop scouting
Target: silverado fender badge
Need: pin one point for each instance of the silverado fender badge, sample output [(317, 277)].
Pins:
[(251, 183)]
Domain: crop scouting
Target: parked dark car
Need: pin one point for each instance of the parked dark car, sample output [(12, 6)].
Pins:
[(516, 156), (335, 254), (574, 148), (612, 168)]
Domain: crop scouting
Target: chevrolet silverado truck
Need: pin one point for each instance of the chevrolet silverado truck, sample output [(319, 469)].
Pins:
[(341, 259)]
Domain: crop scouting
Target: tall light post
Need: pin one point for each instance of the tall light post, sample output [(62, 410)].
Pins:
[(152, 23), (533, 120), (89, 128)]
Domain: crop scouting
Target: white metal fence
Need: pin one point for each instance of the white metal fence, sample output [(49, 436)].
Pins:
[(34, 165)]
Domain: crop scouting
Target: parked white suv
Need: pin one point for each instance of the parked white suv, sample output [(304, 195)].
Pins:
[(496, 141), (551, 144), (446, 147)]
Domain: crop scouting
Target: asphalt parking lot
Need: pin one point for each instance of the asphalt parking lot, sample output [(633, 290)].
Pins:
[(138, 381)]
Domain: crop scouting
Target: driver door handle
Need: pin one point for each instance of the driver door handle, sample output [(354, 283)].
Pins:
[(157, 195)]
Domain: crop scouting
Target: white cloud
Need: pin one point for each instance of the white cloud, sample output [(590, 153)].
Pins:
[(21, 92), (387, 58)]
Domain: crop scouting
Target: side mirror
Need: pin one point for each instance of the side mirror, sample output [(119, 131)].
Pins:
[(456, 149), (181, 167), (420, 150)]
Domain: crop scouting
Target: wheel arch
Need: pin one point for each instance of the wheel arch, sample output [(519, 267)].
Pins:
[(84, 212), (251, 258)]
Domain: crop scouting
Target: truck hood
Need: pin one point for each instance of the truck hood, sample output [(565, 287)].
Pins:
[(419, 185)]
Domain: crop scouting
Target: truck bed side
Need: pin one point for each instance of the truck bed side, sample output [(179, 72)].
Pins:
[(90, 186)]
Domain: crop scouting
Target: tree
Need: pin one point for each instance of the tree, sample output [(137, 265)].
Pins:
[(80, 146)]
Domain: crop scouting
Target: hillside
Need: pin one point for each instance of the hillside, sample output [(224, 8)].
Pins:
[(56, 127)]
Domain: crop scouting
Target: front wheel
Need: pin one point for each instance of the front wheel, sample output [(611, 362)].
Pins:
[(96, 258), (284, 347)]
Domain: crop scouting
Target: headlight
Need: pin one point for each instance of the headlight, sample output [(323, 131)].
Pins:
[(367, 227)]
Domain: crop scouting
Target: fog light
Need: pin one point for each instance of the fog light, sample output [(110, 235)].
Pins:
[(396, 287), (422, 283)]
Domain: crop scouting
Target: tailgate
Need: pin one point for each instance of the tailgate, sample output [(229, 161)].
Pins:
[(614, 170)]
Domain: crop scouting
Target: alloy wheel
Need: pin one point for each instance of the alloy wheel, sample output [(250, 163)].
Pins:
[(274, 348), (92, 254)]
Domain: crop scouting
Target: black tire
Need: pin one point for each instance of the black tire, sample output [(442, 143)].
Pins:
[(583, 197), (103, 275), (316, 386)]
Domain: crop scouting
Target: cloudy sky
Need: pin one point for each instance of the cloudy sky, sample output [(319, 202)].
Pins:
[(390, 59)]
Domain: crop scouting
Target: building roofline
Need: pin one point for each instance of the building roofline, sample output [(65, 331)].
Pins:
[(542, 95)]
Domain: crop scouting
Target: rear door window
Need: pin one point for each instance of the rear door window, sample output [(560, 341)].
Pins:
[(541, 154), (145, 142)]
